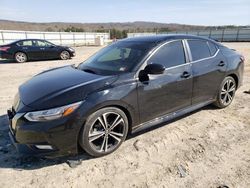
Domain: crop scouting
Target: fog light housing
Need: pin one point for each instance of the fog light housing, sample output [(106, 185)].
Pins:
[(44, 147)]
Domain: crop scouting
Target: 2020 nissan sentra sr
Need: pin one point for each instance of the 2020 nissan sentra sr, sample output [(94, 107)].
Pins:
[(34, 49), (128, 86)]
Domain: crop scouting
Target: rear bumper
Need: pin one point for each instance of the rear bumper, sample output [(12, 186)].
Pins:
[(241, 74), (6, 55)]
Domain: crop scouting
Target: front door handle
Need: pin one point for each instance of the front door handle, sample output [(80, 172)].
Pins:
[(221, 64), (185, 74)]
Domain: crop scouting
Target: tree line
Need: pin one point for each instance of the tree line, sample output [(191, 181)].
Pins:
[(114, 33), (122, 33)]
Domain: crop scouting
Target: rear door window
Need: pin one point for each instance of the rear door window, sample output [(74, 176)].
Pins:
[(169, 55), (199, 49), (25, 43), (40, 43)]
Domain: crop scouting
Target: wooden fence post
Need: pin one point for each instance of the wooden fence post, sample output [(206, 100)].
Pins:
[(222, 37), (237, 35), (60, 36), (74, 41), (2, 37), (210, 32)]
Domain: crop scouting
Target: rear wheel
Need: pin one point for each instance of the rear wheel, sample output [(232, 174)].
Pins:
[(104, 131), (226, 92), (21, 57), (64, 55)]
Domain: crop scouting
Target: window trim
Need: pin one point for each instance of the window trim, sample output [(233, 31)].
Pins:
[(17, 43), (206, 57), (187, 52), (202, 59), (145, 62), (208, 43), (184, 52)]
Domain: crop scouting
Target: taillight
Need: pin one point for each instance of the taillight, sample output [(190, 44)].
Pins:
[(5, 48)]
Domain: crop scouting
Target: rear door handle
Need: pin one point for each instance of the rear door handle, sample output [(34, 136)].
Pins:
[(221, 64), (185, 74)]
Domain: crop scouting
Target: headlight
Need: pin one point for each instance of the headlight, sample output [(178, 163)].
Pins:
[(71, 49), (51, 114)]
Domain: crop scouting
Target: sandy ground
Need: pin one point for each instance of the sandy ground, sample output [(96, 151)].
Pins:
[(207, 148)]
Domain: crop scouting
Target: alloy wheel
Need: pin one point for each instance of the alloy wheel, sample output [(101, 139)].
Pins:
[(227, 92), (106, 132), (64, 55), (21, 57)]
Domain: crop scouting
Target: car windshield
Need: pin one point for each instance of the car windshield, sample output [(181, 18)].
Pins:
[(117, 58)]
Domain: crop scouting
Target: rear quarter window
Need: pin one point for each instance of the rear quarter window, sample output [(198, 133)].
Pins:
[(199, 49), (212, 47)]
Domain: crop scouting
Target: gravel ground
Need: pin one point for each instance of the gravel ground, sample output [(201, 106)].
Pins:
[(207, 148)]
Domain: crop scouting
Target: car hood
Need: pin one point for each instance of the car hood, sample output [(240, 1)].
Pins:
[(60, 86), (66, 47)]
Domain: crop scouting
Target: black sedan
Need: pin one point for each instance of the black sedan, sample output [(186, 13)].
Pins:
[(128, 86), (34, 49)]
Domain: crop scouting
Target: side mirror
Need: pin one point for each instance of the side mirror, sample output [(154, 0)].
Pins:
[(154, 69)]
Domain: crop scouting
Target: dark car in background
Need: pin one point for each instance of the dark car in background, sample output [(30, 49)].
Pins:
[(35, 49), (128, 86)]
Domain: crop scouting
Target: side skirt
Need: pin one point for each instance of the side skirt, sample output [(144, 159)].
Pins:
[(170, 116)]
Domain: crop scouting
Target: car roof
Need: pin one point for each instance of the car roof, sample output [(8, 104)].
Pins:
[(163, 37), (26, 40)]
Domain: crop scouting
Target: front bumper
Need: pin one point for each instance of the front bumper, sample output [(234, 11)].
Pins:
[(61, 135), (26, 149), (72, 54)]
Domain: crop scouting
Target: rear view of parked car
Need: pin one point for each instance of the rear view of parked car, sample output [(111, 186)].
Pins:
[(35, 49)]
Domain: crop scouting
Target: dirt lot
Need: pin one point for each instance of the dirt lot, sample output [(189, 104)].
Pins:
[(208, 148)]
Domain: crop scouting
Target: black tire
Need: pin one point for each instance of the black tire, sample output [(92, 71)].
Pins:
[(20, 57), (64, 55), (226, 92), (93, 128)]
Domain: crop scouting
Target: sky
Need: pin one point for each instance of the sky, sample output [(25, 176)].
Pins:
[(195, 12)]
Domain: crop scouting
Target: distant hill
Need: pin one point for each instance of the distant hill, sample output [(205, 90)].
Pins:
[(116, 29), (138, 26)]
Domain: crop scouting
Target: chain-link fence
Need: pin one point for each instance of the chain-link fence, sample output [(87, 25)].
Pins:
[(223, 35), (60, 38)]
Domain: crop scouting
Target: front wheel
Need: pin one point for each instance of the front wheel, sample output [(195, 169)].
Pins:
[(104, 131), (226, 92), (64, 55), (21, 57)]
